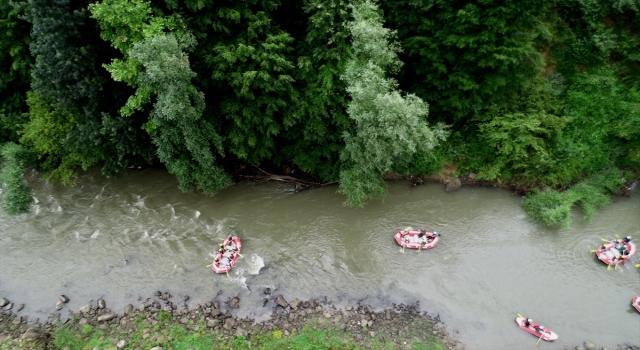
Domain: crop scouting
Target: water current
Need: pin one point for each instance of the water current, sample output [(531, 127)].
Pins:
[(126, 238)]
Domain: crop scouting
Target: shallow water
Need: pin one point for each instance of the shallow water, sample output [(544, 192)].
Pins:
[(126, 238)]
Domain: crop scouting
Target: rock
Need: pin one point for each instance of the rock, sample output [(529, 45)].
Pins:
[(121, 344), (589, 345), (294, 303), (287, 333), (472, 176), (82, 322), (240, 332), (32, 334), (229, 323), (20, 307), (453, 185), (3, 302), (265, 301), (213, 323), (372, 334), (9, 306), (235, 303), (184, 320), (128, 309), (106, 317), (579, 347), (160, 339), (101, 304), (185, 298), (157, 348), (85, 309), (349, 308), (165, 296), (267, 291), (64, 298), (59, 305), (313, 303), (327, 315), (281, 302), (387, 315), (141, 307)]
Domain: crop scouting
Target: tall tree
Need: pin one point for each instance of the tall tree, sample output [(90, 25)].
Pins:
[(389, 127), (156, 64), (15, 62)]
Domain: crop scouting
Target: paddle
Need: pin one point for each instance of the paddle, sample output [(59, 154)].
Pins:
[(637, 265), (608, 267), (605, 240), (593, 251), (208, 265), (228, 275), (539, 338)]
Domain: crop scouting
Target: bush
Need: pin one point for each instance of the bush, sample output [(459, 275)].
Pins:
[(553, 208), (16, 196)]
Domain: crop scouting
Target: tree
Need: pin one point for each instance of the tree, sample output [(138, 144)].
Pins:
[(15, 62), (389, 128), (157, 65)]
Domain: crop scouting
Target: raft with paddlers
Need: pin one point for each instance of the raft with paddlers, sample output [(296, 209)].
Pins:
[(227, 255), (527, 325), (616, 252), (417, 239), (636, 302)]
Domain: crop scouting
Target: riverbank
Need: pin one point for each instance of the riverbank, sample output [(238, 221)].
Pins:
[(161, 322)]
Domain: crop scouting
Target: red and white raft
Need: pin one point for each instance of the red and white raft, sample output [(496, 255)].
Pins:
[(414, 240), (611, 256), (636, 302), (543, 333), (223, 262)]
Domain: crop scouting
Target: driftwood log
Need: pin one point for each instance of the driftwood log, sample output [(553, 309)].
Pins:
[(299, 184)]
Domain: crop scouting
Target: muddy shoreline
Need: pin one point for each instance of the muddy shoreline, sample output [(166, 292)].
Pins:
[(399, 324)]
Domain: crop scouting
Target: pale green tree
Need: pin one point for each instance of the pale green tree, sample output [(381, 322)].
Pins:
[(389, 127)]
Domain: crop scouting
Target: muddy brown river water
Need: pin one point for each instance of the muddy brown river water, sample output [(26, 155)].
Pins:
[(125, 238)]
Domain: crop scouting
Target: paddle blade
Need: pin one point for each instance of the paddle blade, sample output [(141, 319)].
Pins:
[(208, 265), (637, 265), (240, 255), (618, 237), (608, 267), (593, 251), (538, 340), (604, 240), (615, 268), (520, 316), (228, 274)]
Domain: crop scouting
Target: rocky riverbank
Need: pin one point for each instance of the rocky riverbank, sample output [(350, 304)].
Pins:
[(161, 322)]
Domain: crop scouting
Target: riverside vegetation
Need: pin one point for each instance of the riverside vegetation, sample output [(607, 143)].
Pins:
[(539, 94), (294, 324)]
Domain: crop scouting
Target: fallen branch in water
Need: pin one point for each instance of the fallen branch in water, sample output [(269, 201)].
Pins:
[(299, 184)]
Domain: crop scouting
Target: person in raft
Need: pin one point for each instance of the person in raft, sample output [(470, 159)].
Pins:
[(627, 239)]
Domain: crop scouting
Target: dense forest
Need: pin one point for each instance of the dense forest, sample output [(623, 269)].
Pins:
[(540, 93)]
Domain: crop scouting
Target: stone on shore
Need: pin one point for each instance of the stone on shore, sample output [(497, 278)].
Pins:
[(85, 309), (106, 317), (453, 184), (281, 302), (3, 302), (64, 298), (589, 345), (59, 305)]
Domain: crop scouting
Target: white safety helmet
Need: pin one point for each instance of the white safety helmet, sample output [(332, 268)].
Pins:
[(628, 237), (530, 320)]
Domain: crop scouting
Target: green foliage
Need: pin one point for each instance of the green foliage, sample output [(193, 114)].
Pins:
[(553, 208), (184, 139), (388, 126), (16, 198), (463, 56), (15, 61)]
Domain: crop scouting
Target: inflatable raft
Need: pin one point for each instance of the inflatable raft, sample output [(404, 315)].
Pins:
[(223, 262), (414, 239), (636, 302), (611, 256), (542, 333)]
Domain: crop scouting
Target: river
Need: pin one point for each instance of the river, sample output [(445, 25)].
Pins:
[(126, 238)]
